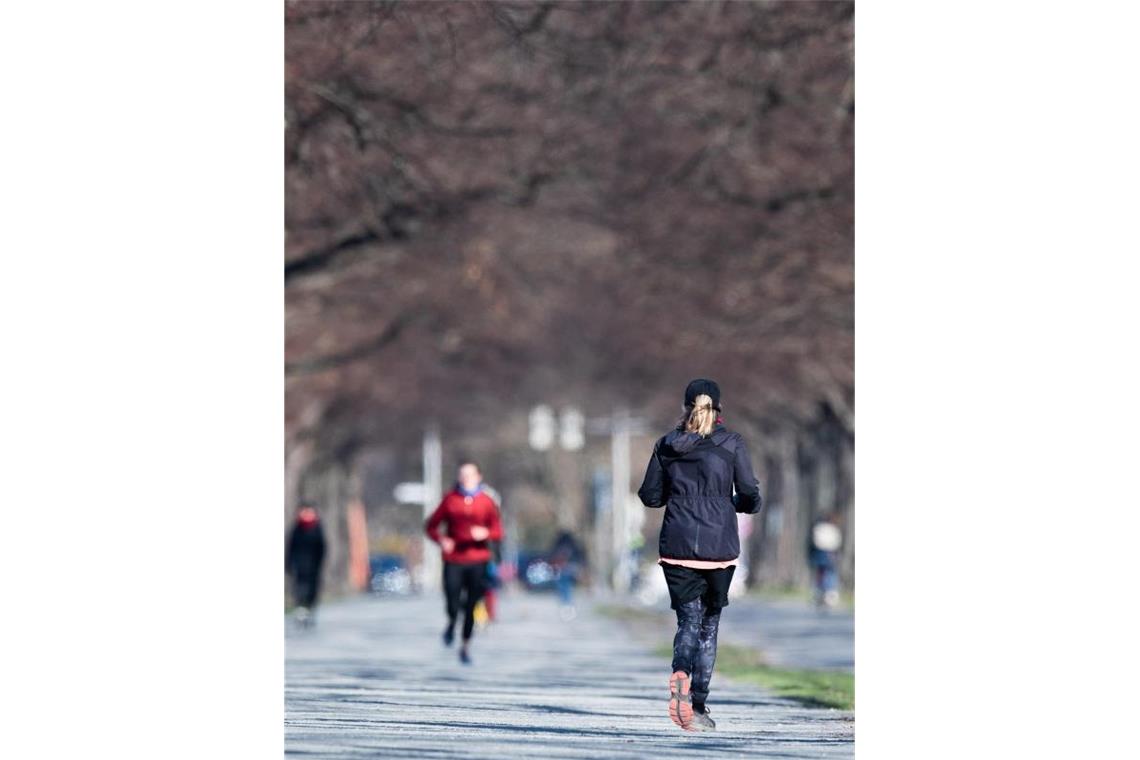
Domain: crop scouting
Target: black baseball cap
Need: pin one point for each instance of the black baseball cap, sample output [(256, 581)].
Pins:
[(707, 387)]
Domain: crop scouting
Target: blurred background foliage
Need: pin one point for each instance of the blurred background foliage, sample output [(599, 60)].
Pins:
[(495, 205)]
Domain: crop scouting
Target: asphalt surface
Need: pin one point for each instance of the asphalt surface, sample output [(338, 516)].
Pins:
[(791, 633), (372, 678)]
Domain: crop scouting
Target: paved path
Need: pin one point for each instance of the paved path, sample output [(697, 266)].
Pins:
[(791, 633), (374, 680)]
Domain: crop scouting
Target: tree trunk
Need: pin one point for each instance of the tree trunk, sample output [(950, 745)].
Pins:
[(790, 565)]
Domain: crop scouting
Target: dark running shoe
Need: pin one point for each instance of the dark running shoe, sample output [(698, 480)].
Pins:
[(701, 720), (464, 657), (448, 637)]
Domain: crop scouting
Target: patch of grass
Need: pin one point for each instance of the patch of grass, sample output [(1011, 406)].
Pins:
[(781, 593), (815, 688), (797, 594), (631, 614)]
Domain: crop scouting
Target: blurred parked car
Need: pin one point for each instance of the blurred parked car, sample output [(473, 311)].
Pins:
[(536, 573), (390, 575)]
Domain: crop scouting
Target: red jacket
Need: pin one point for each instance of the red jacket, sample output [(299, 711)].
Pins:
[(460, 513)]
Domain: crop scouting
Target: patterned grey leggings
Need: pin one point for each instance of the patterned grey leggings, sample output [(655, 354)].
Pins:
[(694, 646)]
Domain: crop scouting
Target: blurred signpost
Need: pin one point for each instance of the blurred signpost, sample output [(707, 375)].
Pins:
[(410, 493), (541, 428), (427, 494), (743, 567), (571, 428), (570, 434), (620, 426), (416, 493)]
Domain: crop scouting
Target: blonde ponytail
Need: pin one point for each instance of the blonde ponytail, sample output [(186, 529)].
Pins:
[(702, 417)]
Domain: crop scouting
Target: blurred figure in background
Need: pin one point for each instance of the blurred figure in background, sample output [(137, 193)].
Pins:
[(304, 556), (567, 558), (494, 583), (470, 521), (692, 473), (823, 555)]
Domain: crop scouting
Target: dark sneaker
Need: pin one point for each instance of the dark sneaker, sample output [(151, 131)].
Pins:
[(448, 637), (464, 657), (701, 720)]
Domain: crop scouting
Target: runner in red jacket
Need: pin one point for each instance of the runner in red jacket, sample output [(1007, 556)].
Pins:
[(471, 520)]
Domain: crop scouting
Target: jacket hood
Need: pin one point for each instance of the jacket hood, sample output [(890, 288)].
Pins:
[(681, 442)]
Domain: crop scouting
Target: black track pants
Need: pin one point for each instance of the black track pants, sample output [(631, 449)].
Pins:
[(464, 586), (694, 646)]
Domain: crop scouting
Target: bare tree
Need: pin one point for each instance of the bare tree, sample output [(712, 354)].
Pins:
[(492, 204)]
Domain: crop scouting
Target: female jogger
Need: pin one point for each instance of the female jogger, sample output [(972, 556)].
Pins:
[(464, 525), (693, 473)]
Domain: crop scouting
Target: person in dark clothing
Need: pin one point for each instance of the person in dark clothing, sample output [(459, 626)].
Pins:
[(567, 557), (823, 555), (471, 521), (702, 474), (493, 584), (303, 559)]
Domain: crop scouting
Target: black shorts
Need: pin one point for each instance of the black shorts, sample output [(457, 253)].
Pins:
[(686, 584), (470, 577)]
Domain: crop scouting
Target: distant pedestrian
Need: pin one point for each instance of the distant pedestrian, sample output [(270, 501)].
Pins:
[(304, 556), (823, 556), (487, 609), (494, 583), (692, 473), (567, 559), (470, 521)]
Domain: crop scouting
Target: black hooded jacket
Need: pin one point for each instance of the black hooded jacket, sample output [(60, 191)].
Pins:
[(306, 550), (693, 477)]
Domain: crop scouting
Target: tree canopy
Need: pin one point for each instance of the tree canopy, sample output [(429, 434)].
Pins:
[(491, 203)]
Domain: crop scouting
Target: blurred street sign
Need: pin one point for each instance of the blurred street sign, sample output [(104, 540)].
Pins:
[(570, 433), (410, 493), (541, 428), (430, 491)]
